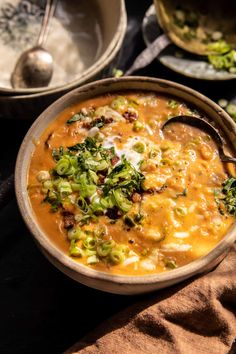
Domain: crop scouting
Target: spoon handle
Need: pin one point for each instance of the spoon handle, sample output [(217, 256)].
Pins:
[(149, 54), (48, 14), (225, 158)]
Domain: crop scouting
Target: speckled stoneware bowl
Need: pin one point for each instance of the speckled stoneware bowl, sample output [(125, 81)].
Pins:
[(84, 38), (83, 274)]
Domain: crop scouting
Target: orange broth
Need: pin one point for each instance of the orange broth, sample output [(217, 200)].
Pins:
[(181, 219)]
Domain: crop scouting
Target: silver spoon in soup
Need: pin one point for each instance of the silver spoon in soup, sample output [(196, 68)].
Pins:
[(205, 126)]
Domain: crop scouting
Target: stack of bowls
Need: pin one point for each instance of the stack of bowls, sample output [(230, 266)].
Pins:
[(84, 38)]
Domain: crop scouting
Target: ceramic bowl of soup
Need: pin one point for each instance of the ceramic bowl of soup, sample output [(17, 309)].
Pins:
[(119, 204)]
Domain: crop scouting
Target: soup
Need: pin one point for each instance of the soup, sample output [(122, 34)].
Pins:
[(117, 193)]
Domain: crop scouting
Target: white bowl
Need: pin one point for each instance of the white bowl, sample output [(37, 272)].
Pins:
[(111, 22)]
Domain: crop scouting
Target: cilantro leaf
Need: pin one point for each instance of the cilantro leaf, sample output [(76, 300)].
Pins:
[(75, 118)]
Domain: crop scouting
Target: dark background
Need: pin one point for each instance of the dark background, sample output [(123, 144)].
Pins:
[(42, 310)]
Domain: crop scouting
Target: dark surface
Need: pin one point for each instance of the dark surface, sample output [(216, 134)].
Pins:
[(42, 310)]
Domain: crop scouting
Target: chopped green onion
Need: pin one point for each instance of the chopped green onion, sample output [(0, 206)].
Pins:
[(121, 201), (232, 69), (76, 234), (43, 176), (47, 184), (86, 189), (90, 242), (104, 248), (86, 174), (223, 103), (64, 188), (81, 202), (100, 230), (120, 102), (139, 147), (231, 110), (219, 47), (117, 72), (93, 165), (93, 176), (64, 166), (96, 206), (180, 211), (90, 252), (137, 126), (75, 250), (75, 187), (92, 259), (107, 202), (117, 256)]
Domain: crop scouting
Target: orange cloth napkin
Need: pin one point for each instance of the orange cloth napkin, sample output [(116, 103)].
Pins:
[(195, 317)]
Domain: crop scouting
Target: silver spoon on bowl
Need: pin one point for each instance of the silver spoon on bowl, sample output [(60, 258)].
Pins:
[(34, 68), (207, 127)]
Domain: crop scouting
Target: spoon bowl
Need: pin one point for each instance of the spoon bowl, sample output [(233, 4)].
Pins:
[(34, 68), (200, 123)]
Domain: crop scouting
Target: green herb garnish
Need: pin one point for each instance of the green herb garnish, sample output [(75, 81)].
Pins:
[(224, 57), (125, 177), (84, 176), (89, 144), (231, 110), (117, 72), (129, 221), (219, 47), (170, 263), (53, 198), (76, 118), (228, 195), (57, 153)]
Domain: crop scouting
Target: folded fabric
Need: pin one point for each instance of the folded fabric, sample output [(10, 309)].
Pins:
[(195, 317)]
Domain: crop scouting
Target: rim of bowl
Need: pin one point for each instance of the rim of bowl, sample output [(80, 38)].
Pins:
[(40, 236), (89, 73)]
